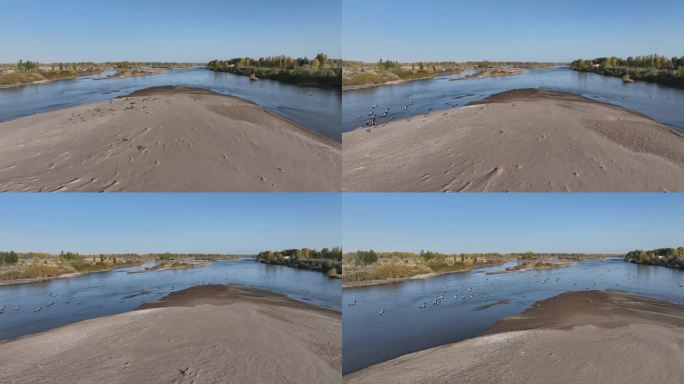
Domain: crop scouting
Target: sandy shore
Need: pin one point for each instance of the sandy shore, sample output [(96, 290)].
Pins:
[(206, 334), (523, 140), (578, 337), (165, 139)]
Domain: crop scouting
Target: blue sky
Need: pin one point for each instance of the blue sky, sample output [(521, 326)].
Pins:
[(157, 222), (167, 30), (520, 30), (485, 222)]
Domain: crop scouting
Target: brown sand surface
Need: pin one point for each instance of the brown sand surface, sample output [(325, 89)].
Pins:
[(576, 337), (205, 334), (165, 139), (522, 140)]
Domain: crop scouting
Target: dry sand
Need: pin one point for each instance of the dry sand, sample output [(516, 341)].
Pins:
[(522, 140), (206, 334), (578, 337), (165, 139)]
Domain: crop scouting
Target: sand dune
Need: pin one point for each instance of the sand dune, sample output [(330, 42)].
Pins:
[(208, 334), (165, 139), (522, 140), (577, 337)]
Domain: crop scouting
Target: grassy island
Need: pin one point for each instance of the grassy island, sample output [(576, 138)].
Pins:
[(318, 72), (328, 261)]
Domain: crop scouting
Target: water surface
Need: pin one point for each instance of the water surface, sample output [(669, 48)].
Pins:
[(107, 293), (661, 103), (369, 338), (317, 109)]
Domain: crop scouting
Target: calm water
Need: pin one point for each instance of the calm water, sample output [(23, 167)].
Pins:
[(661, 103), (369, 338), (107, 293), (315, 108)]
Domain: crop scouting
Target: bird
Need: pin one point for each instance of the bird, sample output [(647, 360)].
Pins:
[(423, 306), (353, 303), (381, 311), (2, 310)]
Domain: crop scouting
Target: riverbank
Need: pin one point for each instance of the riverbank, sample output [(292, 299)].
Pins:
[(44, 267), (239, 334), (165, 139), (21, 79), (554, 141), (590, 336)]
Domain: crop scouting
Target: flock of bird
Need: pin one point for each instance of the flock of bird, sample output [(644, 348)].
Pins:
[(470, 295), (373, 116)]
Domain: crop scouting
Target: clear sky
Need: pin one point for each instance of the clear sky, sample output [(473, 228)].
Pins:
[(487, 222), (167, 30), (158, 222), (520, 30)]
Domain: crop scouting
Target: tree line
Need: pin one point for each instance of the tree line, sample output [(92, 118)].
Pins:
[(326, 260), (319, 71), (8, 258), (654, 68), (669, 257)]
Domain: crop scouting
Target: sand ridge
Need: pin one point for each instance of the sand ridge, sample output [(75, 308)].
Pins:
[(165, 139), (576, 337), (524, 140), (229, 334)]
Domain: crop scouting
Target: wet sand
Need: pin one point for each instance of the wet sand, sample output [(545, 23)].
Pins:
[(523, 140), (165, 139), (205, 334), (576, 337)]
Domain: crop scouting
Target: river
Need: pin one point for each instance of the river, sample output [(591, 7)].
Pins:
[(107, 293), (369, 338), (661, 103), (318, 109)]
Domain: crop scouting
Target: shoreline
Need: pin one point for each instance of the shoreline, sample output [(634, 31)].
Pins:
[(601, 331), (247, 334), (173, 89), (557, 141)]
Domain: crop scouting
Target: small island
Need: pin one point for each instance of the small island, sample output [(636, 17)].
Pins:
[(328, 261)]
